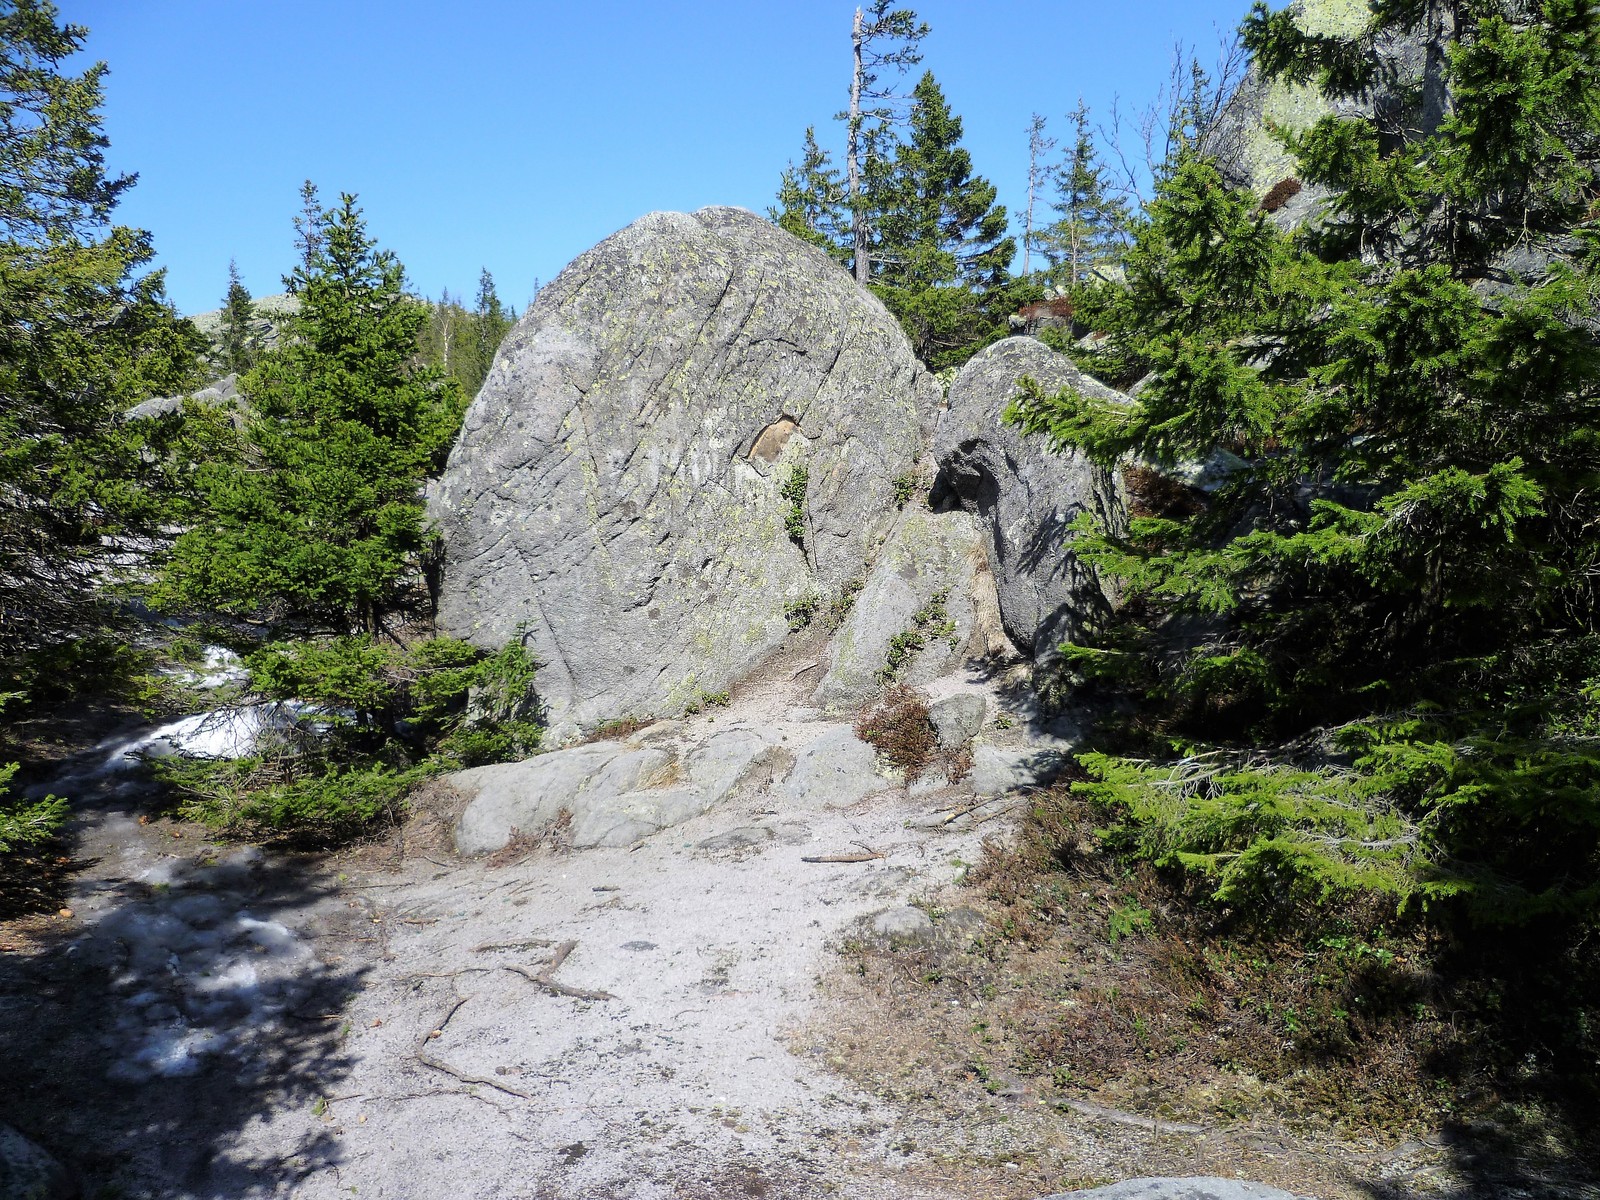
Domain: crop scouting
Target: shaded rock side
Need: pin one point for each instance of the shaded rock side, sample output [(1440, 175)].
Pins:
[(926, 570), (1025, 495), (617, 494), (28, 1172)]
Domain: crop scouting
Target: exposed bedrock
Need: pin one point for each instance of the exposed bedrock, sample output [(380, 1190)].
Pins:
[(626, 491), (1025, 495)]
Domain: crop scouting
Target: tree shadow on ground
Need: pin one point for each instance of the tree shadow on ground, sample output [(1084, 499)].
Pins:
[(147, 1042)]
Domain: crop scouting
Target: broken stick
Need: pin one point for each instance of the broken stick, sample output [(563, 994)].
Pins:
[(545, 976), (438, 1064)]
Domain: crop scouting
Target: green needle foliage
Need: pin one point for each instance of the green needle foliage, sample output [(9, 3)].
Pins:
[(1405, 401), (83, 337), (940, 238), (314, 519)]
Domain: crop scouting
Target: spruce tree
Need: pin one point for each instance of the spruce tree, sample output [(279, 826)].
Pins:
[(238, 344), (490, 324), (83, 337), (811, 201), (1087, 236), (1402, 549), (314, 523), (940, 237)]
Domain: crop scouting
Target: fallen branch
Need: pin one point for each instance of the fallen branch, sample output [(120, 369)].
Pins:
[(545, 977), (529, 944), (437, 1064), (859, 857), (1118, 1117)]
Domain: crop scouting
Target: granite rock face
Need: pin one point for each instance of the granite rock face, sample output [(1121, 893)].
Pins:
[(698, 422), (921, 586), (1025, 495)]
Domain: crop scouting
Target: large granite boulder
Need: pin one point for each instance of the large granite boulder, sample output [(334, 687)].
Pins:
[(1025, 495), (699, 421)]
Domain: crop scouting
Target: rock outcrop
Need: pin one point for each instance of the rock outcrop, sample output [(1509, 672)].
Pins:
[(920, 590), (699, 423), (1026, 495)]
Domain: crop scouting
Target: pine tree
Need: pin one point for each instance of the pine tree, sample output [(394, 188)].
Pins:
[(1403, 547), (314, 523), (490, 324), (940, 237), (1088, 235), (238, 343), (811, 201), (83, 337)]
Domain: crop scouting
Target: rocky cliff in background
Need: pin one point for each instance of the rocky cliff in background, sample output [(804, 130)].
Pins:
[(698, 425)]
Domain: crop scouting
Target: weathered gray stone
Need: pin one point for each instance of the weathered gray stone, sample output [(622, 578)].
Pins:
[(224, 392), (1196, 1188), (902, 928), (997, 770), (29, 1172), (523, 797), (1025, 495), (926, 555), (957, 719), (616, 495), (834, 771), (613, 793)]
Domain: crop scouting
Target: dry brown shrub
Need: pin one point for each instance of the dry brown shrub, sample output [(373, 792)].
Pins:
[(1280, 194), (1152, 494), (899, 728)]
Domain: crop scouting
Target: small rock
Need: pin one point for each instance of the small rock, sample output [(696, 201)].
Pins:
[(902, 928), (741, 838), (957, 719), (638, 946)]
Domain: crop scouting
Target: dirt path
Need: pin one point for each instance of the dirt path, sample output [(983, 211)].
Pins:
[(216, 1022)]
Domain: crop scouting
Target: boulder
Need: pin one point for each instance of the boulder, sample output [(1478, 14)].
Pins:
[(998, 770), (921, 584), (1025, 495), (901, 928), (1197, 1188), (835, 771), (224, 393), (700, 421), (957, 719)]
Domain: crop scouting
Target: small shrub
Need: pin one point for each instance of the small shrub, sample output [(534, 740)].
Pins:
[(704, 701), (839, 607), (616, 729), (25, 823), (380, 720), (800, 613), (904, 486), (1280, 194), (794, 492), (1128, 920), (899, 729), (932, 621)]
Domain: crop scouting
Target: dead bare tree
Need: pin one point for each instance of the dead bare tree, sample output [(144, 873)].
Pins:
[(881, 38)]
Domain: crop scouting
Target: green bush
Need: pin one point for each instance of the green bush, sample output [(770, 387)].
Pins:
[(25, 823), (381, 719)]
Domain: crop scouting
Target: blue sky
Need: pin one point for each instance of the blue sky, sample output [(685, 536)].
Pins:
[(516, 134)]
